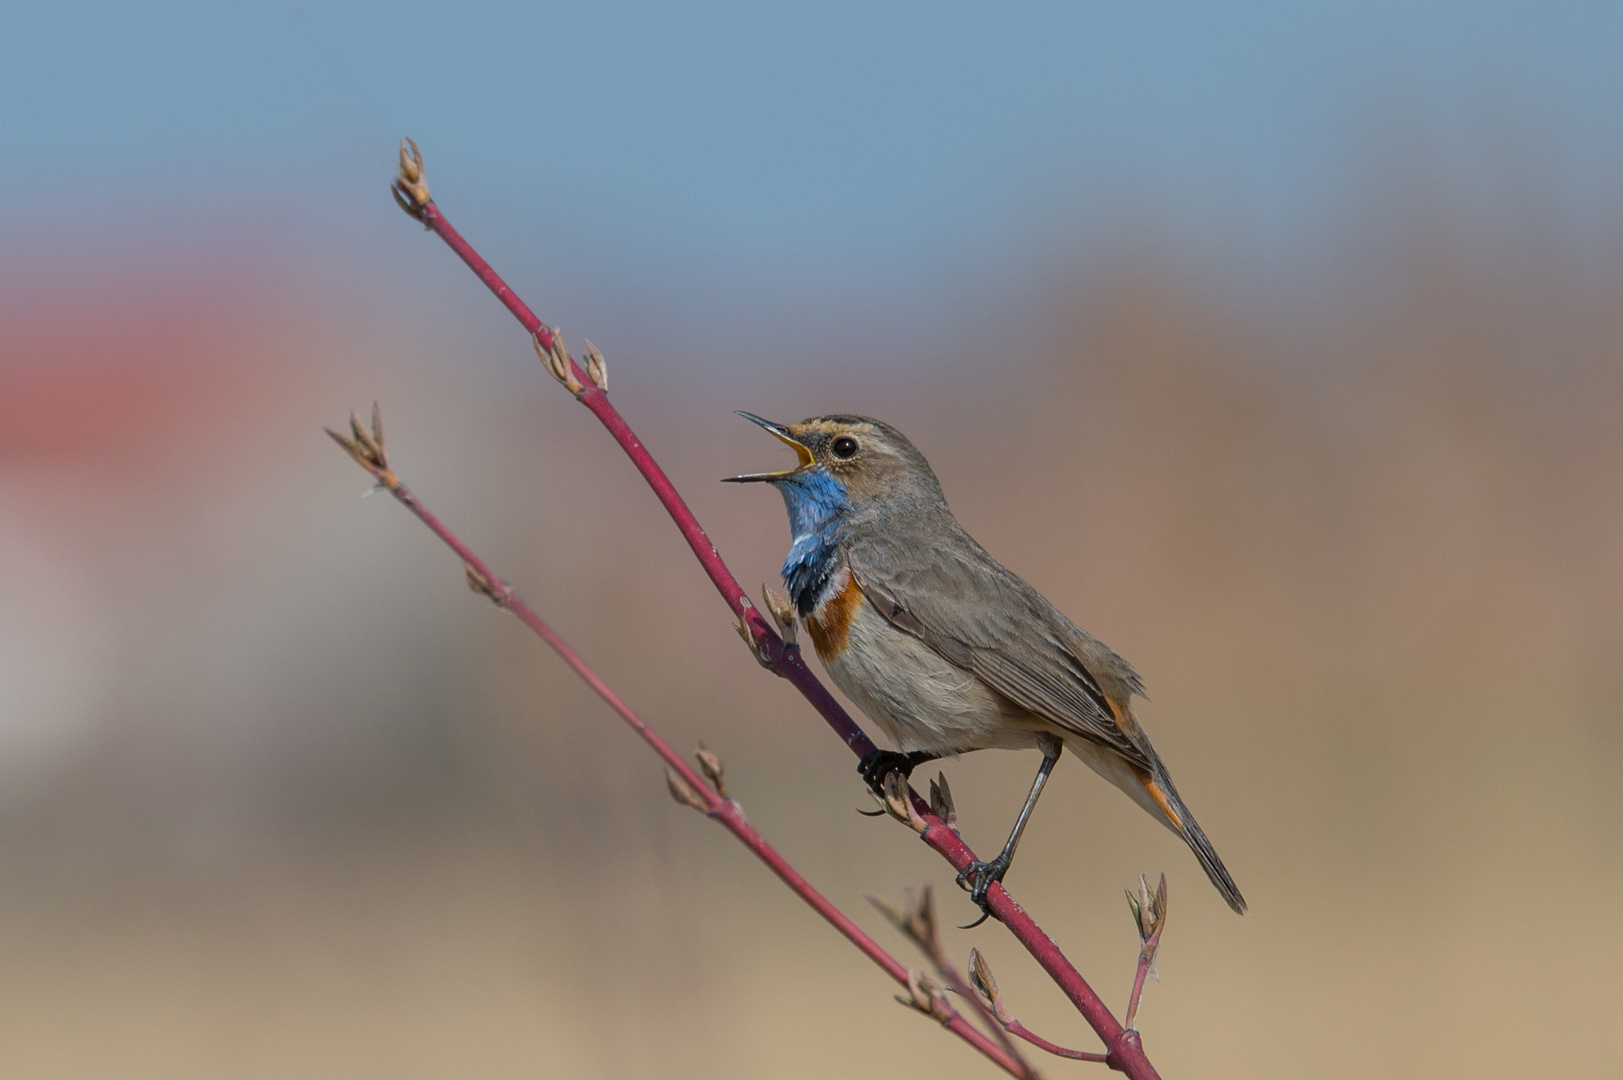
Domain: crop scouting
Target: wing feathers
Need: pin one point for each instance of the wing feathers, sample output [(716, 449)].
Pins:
[(982, 618)]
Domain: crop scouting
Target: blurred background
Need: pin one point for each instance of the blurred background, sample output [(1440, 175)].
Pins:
[(1280, 345)]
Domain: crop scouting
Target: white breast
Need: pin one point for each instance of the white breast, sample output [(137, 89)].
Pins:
[(921, 701)]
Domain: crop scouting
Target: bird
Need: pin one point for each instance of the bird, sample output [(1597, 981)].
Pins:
[(942, 646)]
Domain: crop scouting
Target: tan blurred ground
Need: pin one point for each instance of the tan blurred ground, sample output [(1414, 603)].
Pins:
[(281, 798)]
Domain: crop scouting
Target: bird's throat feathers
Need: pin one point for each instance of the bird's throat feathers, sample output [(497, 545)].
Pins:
[(816, 502)]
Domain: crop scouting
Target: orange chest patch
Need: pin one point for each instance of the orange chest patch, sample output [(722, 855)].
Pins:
[(830, 623)]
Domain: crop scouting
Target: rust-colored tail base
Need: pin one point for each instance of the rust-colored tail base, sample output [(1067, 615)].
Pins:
[(1183, 823), (1153, 791)]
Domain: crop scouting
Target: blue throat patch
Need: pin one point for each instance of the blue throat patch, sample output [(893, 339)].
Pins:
[(816, 502)]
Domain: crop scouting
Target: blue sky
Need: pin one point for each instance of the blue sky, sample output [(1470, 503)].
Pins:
[(815, 145)]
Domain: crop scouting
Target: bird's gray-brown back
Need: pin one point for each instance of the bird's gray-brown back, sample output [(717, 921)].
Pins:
[(936, 583)]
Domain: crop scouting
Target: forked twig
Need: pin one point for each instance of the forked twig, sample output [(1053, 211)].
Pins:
[(986, 992), (917, 922), (1149, 918), (706, 794)]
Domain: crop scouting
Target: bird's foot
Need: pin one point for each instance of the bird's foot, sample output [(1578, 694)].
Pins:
[(875, 765), (983, 874)]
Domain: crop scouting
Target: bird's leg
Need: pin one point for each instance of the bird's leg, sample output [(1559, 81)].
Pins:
[(984, 873), (875, 764)]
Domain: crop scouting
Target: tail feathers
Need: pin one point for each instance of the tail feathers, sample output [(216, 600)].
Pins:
[(1183, 823), (1153, 791)]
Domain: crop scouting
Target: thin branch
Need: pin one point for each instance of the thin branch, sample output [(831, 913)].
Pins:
[(917, 922), (986, 992), (367, 447), (1149, 919), (411, 191), (1016, 1028)]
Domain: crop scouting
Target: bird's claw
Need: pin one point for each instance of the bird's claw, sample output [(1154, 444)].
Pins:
[(875, 765), (983, 874)]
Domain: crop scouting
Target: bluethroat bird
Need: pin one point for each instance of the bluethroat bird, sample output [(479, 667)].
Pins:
[(941, 645)]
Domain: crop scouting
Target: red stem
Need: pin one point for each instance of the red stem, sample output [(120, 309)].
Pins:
[(1138, 991), (1015, 1027), (1126, 1053), (723, 810), (1146, 960)]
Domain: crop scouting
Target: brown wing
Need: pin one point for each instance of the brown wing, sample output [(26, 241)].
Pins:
[(949, 593)]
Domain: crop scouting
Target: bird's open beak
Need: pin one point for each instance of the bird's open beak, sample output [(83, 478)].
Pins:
[(806, 460)]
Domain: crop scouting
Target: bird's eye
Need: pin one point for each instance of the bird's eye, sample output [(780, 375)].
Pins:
[(845, 446)]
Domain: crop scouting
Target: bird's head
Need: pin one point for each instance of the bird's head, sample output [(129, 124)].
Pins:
[(855, 460)]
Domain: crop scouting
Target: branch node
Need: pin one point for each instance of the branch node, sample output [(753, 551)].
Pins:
[(368, 449), (783, 615), (556, 361), (1149, 916), (711, 766), (899, 806), (916, 921), (498, 592), (980, 975), (683, 792), (757, 647), (597, 368), (941, 802), (925, 996), (409, 188)]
